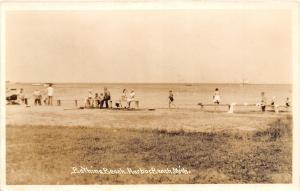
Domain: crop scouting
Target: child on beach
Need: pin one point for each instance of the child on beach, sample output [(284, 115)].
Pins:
[(37, 95), (89, 99), (96, 100), (287, 102), (171, 99), (273, 103), (216, 97), (21, 96), (263, 102)]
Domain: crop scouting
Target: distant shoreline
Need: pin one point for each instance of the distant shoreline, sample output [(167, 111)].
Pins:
[(148, 83)]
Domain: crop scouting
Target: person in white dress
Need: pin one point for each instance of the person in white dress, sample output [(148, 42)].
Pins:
[(124, 99), (89, 100), (216, 97), (131, 98), (50, 92)]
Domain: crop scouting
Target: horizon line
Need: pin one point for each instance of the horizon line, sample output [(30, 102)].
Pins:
[(259, 83)]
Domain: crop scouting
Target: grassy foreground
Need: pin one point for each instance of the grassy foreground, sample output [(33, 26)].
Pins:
[(46, 154)]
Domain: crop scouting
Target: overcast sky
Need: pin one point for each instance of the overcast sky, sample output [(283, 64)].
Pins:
[(200, 46)]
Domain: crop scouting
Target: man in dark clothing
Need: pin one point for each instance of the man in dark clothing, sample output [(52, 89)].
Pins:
[(105, 99)]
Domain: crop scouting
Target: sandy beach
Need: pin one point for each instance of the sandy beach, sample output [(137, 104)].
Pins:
[(193, 120)]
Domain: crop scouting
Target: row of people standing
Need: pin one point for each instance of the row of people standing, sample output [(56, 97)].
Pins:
[(47, 99), (98, 100), (102, 100), (39, 96)]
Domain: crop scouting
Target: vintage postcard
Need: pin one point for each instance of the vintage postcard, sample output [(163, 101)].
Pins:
[(146, 95)]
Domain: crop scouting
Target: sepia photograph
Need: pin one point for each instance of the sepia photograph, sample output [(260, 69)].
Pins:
[(139, 96)]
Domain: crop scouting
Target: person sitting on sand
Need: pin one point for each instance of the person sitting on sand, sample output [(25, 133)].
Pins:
[(96, 100), (131, 98), (171, 99), (21, 96), (216, 97), (106, 98), (89, 100), (263, 102), (37, 95)]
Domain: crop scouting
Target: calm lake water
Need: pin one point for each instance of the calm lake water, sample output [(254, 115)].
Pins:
[(156, 95)]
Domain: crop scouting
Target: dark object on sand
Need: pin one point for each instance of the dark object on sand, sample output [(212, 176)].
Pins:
[(13, 97)]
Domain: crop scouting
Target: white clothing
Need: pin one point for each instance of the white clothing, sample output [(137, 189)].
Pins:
[(50, 91), (217, 97), (37, 94), (131, 96)]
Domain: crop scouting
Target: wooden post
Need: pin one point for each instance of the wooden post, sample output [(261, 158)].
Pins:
[(25, 101), (58, 102), (110, 104), (76, 103), (137, 104)]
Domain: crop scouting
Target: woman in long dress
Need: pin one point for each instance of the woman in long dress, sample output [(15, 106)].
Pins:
[(216, 97)]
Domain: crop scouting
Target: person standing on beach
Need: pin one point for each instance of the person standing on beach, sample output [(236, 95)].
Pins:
[(106, 98), (216, 96), (131, 97), (171, 99), (50, 92), (263, 102), (273, 103), (124, 98), (287, 102), (37, 97)]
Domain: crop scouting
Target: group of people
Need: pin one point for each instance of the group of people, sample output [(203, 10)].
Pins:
[(263, 102), (102, 100), (45, 96), (217, 100), (98, 100), (47, 99)]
